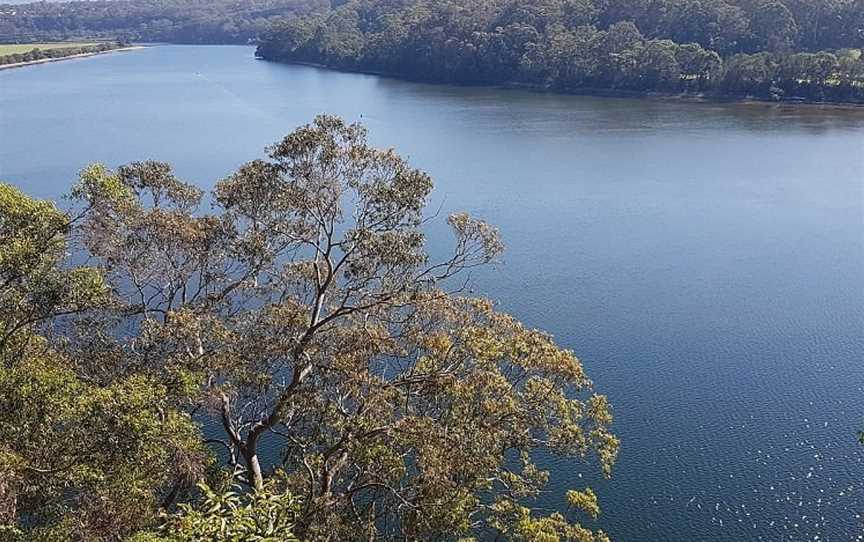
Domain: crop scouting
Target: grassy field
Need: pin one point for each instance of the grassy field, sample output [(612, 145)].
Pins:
[(13, 48)]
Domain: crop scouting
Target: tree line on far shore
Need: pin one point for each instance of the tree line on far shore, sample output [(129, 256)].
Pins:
[(37, 54), (174, 21), (763, 48)]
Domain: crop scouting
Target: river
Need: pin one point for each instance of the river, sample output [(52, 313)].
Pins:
[(705, 260)]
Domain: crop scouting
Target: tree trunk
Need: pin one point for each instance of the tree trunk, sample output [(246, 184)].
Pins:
[(253, 466)]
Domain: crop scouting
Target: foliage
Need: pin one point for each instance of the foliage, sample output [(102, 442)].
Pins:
[(231, 516), (648, 45), (84, 461), (33, 287)]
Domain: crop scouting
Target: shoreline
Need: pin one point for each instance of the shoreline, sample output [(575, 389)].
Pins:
[(704, 97), (70, 57)]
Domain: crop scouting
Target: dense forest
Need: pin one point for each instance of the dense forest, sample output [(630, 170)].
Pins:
[(37, 54), (766, 48), (176, 21)]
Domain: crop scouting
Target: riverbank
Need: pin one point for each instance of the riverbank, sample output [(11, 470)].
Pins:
[(70, 57), (696, 97)]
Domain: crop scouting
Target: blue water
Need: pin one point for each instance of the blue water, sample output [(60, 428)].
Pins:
[(706, 261)]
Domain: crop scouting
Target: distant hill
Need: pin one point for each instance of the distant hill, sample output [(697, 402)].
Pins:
[(177, 21)]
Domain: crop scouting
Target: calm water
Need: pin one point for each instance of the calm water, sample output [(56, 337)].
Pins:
[(705, 261)]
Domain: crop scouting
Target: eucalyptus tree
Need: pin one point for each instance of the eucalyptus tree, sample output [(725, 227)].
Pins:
[(80, 458), (302, 315)]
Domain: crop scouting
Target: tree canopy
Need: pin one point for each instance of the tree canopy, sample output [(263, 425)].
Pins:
[(765, 48), (84, 455), (302, 311)]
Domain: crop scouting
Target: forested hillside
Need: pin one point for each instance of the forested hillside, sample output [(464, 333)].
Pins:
[(767, 48), (179, 21)]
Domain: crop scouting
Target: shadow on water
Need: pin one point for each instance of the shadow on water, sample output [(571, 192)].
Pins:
[(616, 113)]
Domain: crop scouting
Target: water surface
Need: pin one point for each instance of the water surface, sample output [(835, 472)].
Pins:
[(706, 261)]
